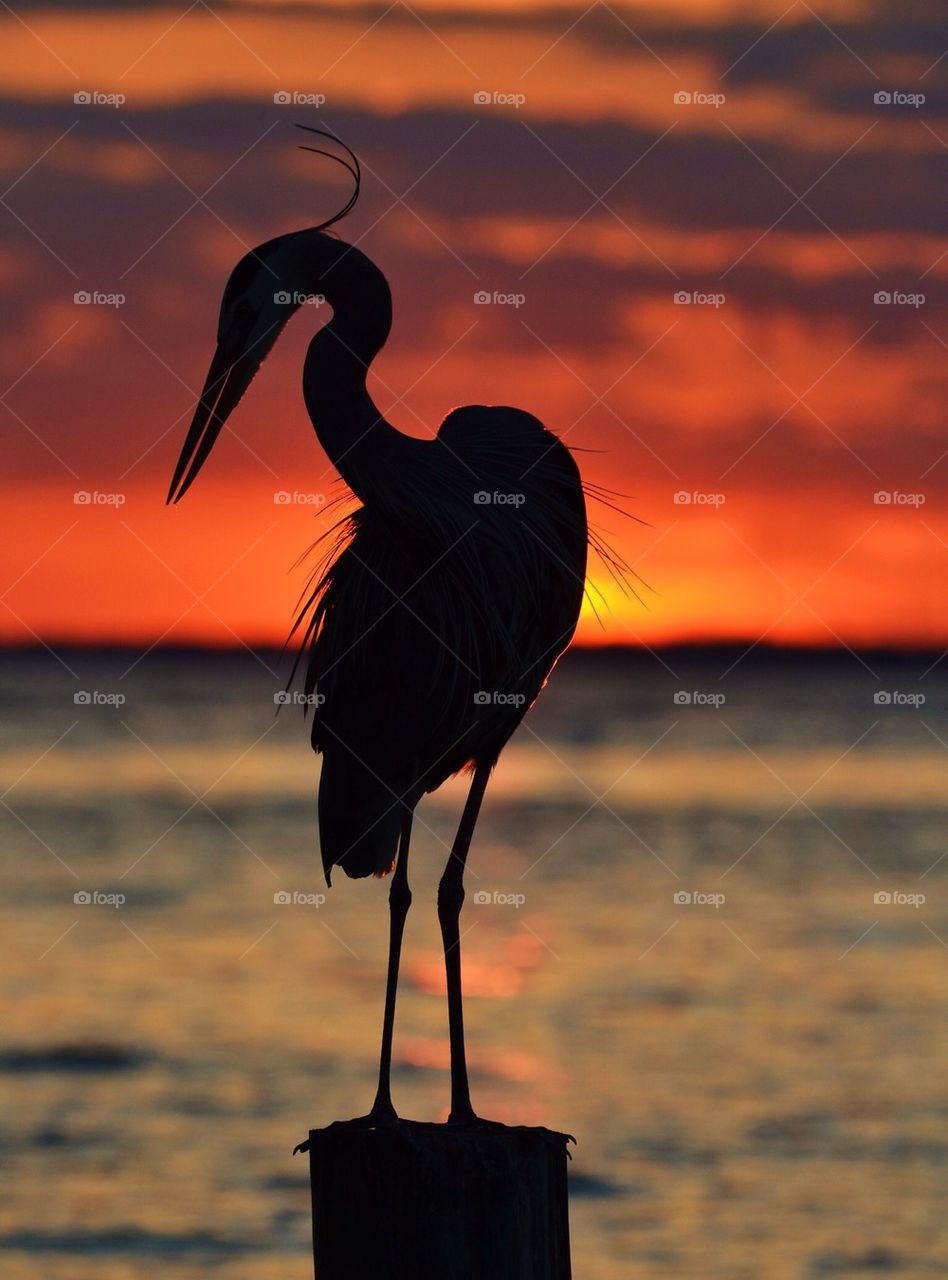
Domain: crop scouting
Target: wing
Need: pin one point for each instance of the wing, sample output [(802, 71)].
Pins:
[(430, 636)]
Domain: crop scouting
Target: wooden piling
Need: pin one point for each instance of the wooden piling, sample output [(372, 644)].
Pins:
[(413, 1201)]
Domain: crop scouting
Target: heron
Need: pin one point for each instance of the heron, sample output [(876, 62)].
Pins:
[(446, 597)]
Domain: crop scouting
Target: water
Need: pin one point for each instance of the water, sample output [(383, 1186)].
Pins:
[(757, 1082)]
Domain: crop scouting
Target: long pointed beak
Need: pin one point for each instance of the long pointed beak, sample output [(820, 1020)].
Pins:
[(227, 380)]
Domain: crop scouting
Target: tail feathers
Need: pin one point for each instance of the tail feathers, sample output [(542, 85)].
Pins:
[(360, 818)]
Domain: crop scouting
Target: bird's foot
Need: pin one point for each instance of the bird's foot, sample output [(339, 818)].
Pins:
[(380, 1117), (374, 1120), (467, 1116), (470, 1119)]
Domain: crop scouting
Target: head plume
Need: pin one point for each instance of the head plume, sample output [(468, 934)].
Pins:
[(351, 166)]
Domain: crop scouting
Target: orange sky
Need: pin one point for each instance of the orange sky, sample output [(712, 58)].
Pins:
[(781, 403)]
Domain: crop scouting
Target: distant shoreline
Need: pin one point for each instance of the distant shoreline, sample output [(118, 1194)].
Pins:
[(724, 649)]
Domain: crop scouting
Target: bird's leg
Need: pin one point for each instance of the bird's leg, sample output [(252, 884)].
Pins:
[(399, 900), (450, 899)]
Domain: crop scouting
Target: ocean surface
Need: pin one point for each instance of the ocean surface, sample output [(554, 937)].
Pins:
[(708, 937)]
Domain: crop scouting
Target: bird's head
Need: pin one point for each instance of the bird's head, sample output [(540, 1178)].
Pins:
[(264, 290), (258, 301)]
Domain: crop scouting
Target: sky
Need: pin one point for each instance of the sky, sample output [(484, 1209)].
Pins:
[(711, 240)]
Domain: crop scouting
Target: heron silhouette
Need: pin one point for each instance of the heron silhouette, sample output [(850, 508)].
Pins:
[(447, 595)]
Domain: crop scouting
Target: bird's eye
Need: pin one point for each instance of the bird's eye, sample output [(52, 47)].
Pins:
[(243, 311)]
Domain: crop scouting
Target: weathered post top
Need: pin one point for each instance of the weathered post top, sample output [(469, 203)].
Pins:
[(414, 1201)]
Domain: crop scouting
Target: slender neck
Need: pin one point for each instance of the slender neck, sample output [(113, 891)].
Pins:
[(360, 443)]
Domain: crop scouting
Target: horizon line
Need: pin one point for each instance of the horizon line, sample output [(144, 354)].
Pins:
[(693, 644)]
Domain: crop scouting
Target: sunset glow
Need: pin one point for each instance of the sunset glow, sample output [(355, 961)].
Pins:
[(778, 438)]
